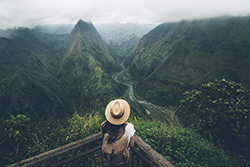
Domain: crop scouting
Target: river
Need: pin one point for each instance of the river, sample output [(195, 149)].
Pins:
[(140, 101)]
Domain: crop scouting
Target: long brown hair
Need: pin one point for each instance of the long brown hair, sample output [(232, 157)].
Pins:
[(115, 131)]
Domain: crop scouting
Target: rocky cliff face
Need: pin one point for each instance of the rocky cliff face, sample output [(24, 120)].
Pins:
[(187, 54)]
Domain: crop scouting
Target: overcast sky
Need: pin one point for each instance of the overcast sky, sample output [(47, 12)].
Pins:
[(28, 13)]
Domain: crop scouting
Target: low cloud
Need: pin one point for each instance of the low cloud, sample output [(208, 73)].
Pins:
[(28, 13)]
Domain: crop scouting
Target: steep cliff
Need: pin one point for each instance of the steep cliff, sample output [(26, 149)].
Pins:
[(182, 56)]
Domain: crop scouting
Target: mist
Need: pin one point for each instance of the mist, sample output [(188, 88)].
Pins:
[(28, 13)]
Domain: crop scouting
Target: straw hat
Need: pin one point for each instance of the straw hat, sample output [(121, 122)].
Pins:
[(117, 111)]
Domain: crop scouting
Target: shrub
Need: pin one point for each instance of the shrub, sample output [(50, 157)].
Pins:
[(81, 127), (17, 127), (13, 137), (220, 111), (182, 147), (20, 140)]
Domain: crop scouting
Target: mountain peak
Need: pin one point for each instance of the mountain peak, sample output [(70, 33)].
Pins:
[(83, 23), (84, 36), (83, 26)]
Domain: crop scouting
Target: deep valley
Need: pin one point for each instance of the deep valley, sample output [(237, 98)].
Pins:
[(198, 70)]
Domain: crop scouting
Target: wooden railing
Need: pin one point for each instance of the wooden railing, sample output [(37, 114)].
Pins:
[(146, 156)]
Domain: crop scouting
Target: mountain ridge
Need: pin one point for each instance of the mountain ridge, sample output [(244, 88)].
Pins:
[(25, 73), (169, 60), (86, 31), (53, 75), (190, 54)]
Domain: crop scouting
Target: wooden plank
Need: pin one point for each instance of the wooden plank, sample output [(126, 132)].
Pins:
[(76, 157), (149, 163), (151, 153), (46, 156)]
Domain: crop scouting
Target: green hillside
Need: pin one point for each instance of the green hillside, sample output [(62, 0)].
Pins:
[(184, 55), (86, 69), (27, 85), (45, 75)]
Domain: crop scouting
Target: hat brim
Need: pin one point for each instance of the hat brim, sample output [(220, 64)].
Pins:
[(122, 119)]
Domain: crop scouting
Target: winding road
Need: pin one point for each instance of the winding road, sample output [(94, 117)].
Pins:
[(131, 89), (127, 84), (114, 77)]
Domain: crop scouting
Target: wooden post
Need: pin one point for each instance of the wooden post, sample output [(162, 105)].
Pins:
[(154, 156), (43, 157), (151, 153)]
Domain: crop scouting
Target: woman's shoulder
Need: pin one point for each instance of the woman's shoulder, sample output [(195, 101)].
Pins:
[(129, 130), (129, 125), (103, 123)]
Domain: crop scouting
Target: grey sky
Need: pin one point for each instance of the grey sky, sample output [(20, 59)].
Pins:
[(28, 13)]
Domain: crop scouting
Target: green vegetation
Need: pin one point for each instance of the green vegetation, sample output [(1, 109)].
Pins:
[(175, 57), (15, 125), (53, 75), (20, 139), (53, 88), (220, 112), (180, 146), (217, 134)]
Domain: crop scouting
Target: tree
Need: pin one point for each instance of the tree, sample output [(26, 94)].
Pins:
[(219, 110), (17, 126)]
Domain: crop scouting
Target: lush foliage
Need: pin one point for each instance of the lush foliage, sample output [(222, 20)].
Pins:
[(20, 139), (15, 125), (14, 135), (182, 147), (45, 75), (175, 57), (220, 111)]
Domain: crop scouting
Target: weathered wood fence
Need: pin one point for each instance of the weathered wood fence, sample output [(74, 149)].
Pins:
[(153, 157)]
